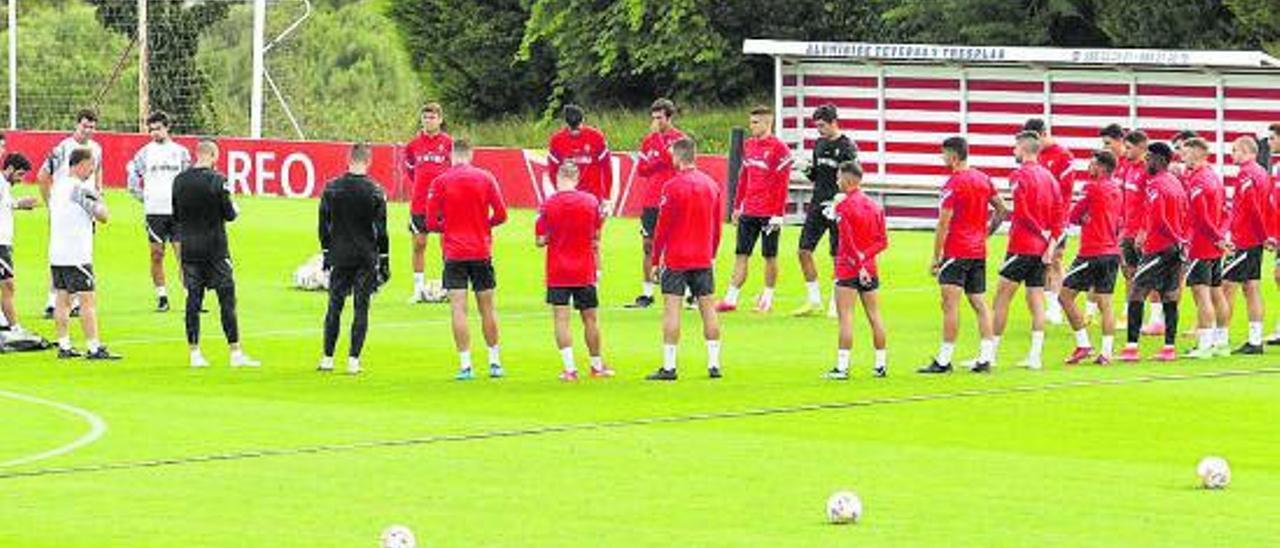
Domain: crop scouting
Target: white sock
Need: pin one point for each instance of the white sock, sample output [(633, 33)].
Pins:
[(196, 354), (419, 280), (1205, 339), (1082, 339), (18, 328), (1222, 337), (713, 354), (162, 291), (882, 359), (495, 357), (944, 353), (766, 294), (1255, 333), (1156, 312), (669, 357), (53, 296), (1037, 345), (842, 360), (815, 292), (1108, 345), (235, 354), (995, 346), (353, 363), (1129, 345), (566, 357), (731, 295), (647, 289), (93, 345), (464, 359), (597, 363), (1277, 327), (64, 342), (987, 350)]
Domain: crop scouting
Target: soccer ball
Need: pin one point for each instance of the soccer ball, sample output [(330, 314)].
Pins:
[(1214, 472), (844, 507), (398, 536)]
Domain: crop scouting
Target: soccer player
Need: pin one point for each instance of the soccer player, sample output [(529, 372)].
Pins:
[(832, 149), (1097, 264), (1057, 159), (586, 147), (960, 252), (758, 207), (684, 250), (655, 165), (1034, 227), (1273, 146), (1248, 234), (15, 168), (568, 225), (75, 207), (425, 158), (1132, 173), (1205, 222), (1163, 235), (56, 165), (464, 206), (201, 206), (150, 176), (353, 236), (862, 237)]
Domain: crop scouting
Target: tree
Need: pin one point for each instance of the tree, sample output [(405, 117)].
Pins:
[(995, 22), (1188, 24), (173, 38)]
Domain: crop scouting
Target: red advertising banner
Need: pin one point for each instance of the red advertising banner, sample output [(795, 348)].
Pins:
[(299, 169)]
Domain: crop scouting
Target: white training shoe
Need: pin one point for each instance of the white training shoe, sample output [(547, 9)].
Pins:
[(1034, 364), (198, 361), (326, 365), (353, 366), (240, 359)]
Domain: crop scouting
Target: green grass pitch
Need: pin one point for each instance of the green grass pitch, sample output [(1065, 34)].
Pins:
[(1017, 458)]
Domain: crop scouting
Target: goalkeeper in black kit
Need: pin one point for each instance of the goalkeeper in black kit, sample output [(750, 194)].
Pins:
[(202, 206), (353, 235), (830, 150)]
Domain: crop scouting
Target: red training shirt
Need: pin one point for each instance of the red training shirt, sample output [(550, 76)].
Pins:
[(425, 158), (1098, 215), (862, 236), (1133, 180), (1249, 207), (588, 150), (967, 193), (570, 221), (1208, 198), (766, 173), (689, 221), (1166, 214), (1057, 159), (1035, 221), (464, 205), (655, 164)]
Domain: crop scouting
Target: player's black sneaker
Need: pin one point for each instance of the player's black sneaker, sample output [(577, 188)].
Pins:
[(934, 368), (162, 304), (880, 372), (1274, 340), (1247, 349), (662, 375), (713, 372), (68, 353), (981, 367), (643, 301), (102, 354), (48, 312), (835, 374)]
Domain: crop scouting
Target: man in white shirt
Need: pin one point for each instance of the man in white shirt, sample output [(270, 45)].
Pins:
[(15, 168), (56, 164), (151, 174), (75, 205)]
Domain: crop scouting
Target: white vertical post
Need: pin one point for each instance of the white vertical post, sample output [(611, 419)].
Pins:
[(13, 64), (1133, 100), (144, 68), (1221, 125), (259, 43), (964, 101), (881, 147), (777, 95)]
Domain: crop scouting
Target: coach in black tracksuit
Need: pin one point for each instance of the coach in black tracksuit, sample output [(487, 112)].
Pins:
[(202, 206), (353, 235)]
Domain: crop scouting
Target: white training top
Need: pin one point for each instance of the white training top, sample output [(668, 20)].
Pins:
[(7, 203), (56, 162), (151, 172), (70, 224)]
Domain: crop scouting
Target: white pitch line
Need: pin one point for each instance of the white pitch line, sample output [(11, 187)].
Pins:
[(97, 427)]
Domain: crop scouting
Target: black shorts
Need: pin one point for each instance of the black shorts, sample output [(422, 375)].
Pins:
[(699, 283), (1024, 269), (417, 224), (199, 276), (73, 279), (6, 263), (1160, 272), (161, 229), (1245, 265), (1096, 274), (970, 274), (858, 285), (346, 280), (582, 297), (1129, 252), (815, 225), (1205, 272), (478, 274), (751, 229), (648, 221)]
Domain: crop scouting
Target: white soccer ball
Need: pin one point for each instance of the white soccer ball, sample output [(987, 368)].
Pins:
[(398, 536), (844, 507), (1214, 472)]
